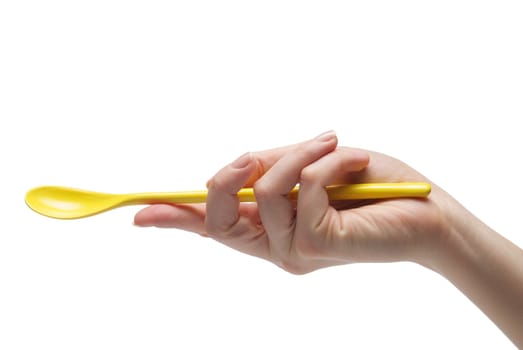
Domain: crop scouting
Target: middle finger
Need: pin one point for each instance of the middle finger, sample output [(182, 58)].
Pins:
[(276, 210)]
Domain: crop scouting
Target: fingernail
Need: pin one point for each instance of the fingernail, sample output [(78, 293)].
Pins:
[(242, 162), (326, 136)]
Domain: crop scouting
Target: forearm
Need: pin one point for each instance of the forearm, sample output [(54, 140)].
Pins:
[(487, 268)]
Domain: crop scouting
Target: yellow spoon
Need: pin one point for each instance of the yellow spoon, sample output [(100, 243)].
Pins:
[(70, 203)]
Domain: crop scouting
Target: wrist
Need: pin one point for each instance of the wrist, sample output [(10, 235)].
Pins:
[(447, 240), (484, 265), (459, 242)]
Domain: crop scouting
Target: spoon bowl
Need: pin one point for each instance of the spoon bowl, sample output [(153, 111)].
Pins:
[(72, 203), (69, 203)]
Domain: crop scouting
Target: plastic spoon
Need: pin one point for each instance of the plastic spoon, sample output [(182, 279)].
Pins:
[(70, 203)]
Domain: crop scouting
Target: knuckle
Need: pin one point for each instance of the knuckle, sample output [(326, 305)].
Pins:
[(259, 165), (218, 183), (309, 174), (262, 189)]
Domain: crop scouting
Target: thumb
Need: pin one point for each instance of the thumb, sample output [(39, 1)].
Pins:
[(184, 217)]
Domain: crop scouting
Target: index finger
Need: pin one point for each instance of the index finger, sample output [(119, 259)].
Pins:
[(264, 160)]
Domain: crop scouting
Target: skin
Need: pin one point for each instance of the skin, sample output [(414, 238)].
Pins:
[(436, 232)]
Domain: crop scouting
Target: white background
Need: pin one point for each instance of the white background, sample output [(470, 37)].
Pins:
[(126, 96)]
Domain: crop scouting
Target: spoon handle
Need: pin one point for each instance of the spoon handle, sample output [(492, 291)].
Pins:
[(336, 192)]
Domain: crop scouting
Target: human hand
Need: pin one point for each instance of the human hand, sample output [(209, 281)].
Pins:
[(311, 233)]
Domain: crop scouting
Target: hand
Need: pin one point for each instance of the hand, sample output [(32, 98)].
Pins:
[(310, 233)]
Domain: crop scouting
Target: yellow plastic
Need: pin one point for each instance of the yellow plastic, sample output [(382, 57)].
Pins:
[(70, 203)]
